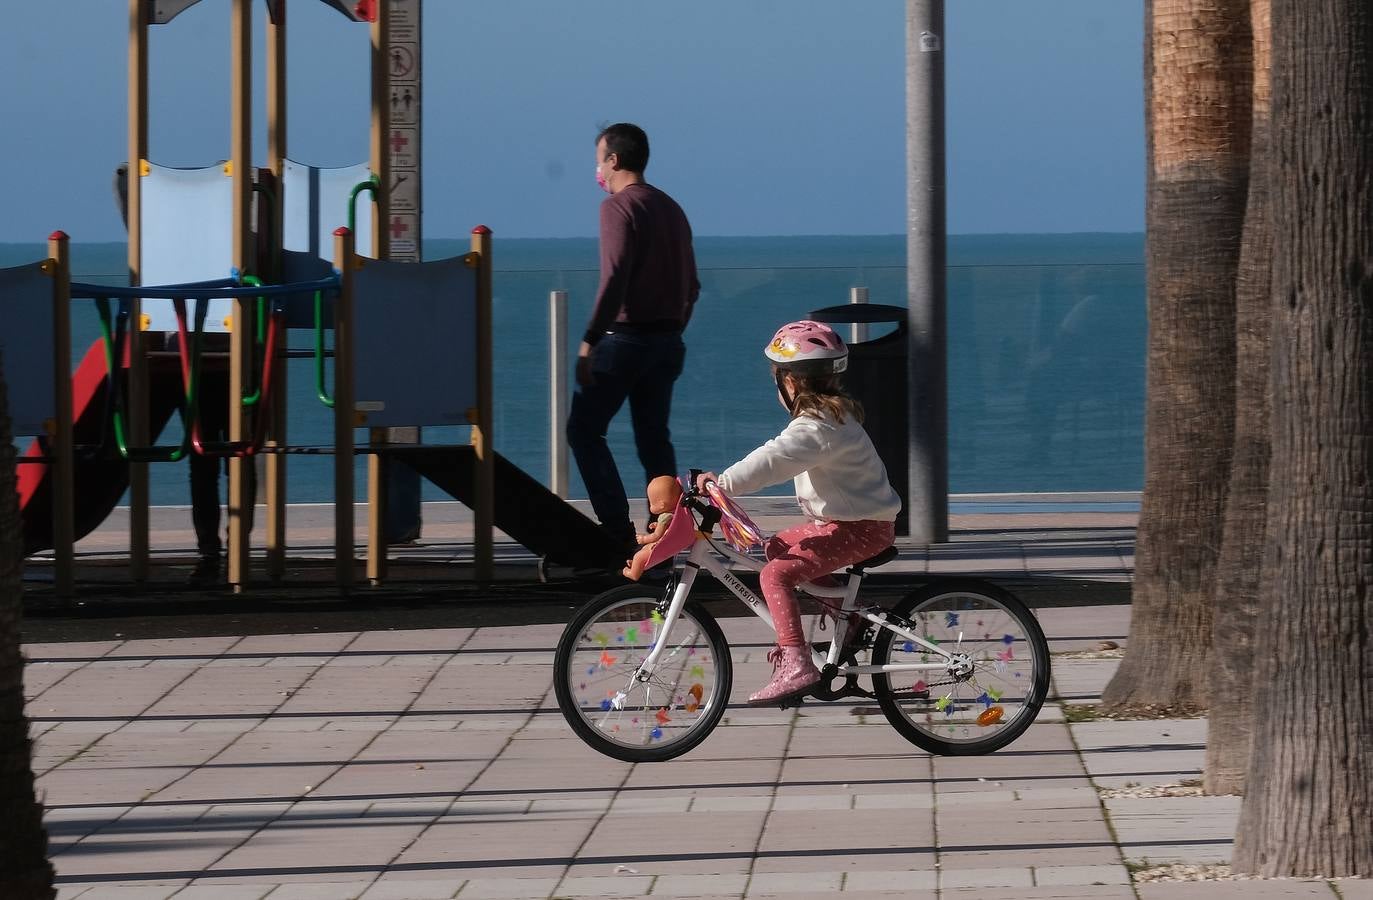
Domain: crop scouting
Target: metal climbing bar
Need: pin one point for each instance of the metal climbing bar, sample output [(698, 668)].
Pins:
[(252, 446), (372, 186), (253, 281), (320, 389), (200, 292), (114, 338)]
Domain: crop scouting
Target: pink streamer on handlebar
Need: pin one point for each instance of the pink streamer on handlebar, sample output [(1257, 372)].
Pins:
[(735, 525)]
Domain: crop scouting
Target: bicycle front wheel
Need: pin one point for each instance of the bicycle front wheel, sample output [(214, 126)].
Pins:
[(990, 699), (641, 716)]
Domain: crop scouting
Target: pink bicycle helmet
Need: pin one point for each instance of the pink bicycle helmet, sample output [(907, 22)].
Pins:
[(808, 348)]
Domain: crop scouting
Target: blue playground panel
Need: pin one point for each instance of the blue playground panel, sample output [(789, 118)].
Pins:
[(26, 346), (415, 342)]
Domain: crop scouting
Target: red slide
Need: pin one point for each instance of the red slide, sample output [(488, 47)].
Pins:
[(101, 475)]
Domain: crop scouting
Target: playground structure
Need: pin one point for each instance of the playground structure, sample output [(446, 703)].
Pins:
[(252, 268)]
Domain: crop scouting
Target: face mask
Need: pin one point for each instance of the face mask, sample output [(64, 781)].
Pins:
[(601, 182)]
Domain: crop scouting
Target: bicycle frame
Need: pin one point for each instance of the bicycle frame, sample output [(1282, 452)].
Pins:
[(701, 557)]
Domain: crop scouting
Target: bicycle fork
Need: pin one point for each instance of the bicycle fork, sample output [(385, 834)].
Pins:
[(643, 674)]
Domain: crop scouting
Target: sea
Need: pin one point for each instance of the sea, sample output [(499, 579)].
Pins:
[(1046, 342)]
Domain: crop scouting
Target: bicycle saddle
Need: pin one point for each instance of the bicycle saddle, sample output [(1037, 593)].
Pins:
[(873, 562)]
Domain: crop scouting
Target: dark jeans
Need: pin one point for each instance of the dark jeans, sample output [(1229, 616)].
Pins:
[(214, 426), (640, 368)]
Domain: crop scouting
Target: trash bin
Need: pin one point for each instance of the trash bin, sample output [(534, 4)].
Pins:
[(876, 378)]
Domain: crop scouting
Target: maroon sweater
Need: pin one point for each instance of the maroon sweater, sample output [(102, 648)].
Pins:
[(648, 269)]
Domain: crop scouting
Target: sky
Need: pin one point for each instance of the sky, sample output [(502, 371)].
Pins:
[(765, 117)]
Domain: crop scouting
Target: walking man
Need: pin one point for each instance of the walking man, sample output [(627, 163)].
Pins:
[(632, 349)]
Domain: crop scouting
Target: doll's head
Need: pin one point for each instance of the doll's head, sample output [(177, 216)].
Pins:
[(663, 492)]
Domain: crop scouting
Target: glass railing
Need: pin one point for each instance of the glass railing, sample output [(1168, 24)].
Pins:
[(1045, 365)]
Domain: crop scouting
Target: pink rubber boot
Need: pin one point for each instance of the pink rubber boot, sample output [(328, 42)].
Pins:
[(792, 673)]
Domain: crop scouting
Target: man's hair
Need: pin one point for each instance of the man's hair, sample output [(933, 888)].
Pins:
[(629, 143)]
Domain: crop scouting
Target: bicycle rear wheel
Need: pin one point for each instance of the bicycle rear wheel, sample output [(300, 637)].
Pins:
[(984, 708), (600, 692)]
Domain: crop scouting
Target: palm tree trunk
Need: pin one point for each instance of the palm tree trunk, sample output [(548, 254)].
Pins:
[(25, 873), (1308, 808), (1198, 76), (1241, 555)]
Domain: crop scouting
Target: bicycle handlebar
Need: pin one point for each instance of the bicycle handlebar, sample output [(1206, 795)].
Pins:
[(709, 512)]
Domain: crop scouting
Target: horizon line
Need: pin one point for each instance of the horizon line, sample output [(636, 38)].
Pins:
[(730, 236)]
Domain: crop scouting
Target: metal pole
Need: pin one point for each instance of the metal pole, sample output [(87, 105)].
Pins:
[(928, 498), (557, 398), (859, 330)]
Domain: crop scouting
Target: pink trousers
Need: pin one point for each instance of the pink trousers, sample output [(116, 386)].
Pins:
[(800, 554)]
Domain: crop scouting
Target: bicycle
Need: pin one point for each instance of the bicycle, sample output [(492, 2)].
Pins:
[(644, 674)]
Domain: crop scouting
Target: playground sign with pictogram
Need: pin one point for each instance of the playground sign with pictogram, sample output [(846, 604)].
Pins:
[(403, 130)]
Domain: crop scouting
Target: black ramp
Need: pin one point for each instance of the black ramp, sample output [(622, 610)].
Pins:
[(100, 476), (525, 509)]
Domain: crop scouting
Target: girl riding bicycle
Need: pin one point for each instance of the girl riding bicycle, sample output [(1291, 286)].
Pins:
[(841, 486)]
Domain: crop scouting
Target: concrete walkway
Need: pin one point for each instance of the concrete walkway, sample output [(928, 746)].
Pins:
[(434, 763)]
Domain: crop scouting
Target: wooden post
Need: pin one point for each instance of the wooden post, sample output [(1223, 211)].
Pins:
[(63, 485), (380, 163), (344, 410), (484, 462), (276, 161), (137, 375), (241, 498)]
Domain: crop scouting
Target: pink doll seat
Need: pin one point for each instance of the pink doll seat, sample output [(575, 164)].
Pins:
[(681, 533)]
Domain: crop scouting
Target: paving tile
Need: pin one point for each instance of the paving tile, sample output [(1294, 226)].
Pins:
[(991, 877), (1052, 875), (696, 885), (1175, 829), (846, 840), (768, 883), (1156, 751), (630, 805), (720, 842), (224, 892), (622, 885), (880, 879), (414, 890), (336, 891), (508, 888), (142, 891), (1091, 892), (491, 847)]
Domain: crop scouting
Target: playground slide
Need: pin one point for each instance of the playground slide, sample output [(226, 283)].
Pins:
[(525, 509), (101, 477)]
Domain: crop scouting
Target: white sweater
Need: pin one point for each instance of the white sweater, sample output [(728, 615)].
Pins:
[(837, 472)]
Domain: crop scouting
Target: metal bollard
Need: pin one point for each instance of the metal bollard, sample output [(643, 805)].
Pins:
[(557, 399), (860, 329)]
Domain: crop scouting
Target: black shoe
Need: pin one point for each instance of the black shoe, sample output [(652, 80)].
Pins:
[(205, 573)]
